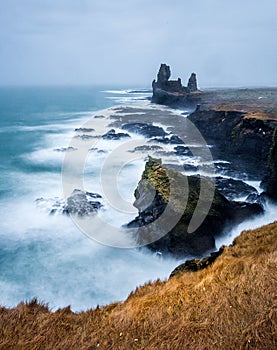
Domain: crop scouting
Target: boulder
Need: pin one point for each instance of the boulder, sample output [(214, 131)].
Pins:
[(78, 203)]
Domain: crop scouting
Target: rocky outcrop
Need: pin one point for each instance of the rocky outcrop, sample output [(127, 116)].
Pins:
[(269, 183), (192, 83), (113, 135), (243, 140), (196, 264), (164, 190), (79, 203), (172, 92)]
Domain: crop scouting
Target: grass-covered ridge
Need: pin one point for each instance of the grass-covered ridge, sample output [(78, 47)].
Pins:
[(230, 305)]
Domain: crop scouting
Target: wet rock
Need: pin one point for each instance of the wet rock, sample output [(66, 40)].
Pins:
[(82, 203), (85, 137), (156, 195), (147, 130), (78, 203), (183, 151), (146, 148), (84, 130), (233, 189), (65, 149), (113, 135), (172, 140), (190, 167), (269, 182)]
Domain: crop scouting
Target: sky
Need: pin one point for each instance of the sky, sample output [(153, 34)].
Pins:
[(123, 42)]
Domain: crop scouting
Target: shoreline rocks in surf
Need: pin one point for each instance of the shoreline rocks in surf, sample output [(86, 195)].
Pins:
[(156, 187), (79, 203)]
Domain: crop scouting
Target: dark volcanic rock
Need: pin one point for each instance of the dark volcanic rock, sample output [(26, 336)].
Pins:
[(144, 129), (65, 149), (269, 182), (84, 130), (172, 140), (147, 148), (160, 199), (196, 264), (112, 135), (78, 203), (172, 92), (82, 203), (183, 151), (192, 83), (233, 189), (243, 141)]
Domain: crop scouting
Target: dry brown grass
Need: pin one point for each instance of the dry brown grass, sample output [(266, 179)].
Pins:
[(230, 305)]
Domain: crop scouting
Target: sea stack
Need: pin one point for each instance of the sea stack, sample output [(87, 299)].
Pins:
[(172, 92)]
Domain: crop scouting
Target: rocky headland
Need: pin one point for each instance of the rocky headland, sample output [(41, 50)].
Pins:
[(239, 123), (162, 188)]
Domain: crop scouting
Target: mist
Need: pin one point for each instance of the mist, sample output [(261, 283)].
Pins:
[(69, 42)]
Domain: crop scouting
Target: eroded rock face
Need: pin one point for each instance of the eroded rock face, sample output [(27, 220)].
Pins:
[(172, 92), (269, 183), (163, 75), (161, 189), (245, 142), (192, 83)]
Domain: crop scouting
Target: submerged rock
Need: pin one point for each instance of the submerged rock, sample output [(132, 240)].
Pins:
[(113, 135), (65, 149), (82, 203), (84, 130), (160, 198), (147, 130), (233, 189)]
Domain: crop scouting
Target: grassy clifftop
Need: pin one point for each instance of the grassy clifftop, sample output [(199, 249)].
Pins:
[(230, 305)]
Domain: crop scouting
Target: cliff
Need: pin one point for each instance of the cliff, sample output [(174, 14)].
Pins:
[(237, 136), (269, 182), (229, 305), (168, 202)]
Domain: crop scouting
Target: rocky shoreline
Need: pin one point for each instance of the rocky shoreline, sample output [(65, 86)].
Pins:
[(241, 125)]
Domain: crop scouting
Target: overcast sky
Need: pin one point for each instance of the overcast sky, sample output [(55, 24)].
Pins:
[(123, 42)]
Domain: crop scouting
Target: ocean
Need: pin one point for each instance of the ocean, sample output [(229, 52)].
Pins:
[(49, 256)]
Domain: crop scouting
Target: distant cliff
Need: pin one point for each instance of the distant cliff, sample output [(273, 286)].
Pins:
[(172, 92)]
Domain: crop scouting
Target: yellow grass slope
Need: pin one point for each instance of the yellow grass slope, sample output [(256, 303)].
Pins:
[(230, 305)]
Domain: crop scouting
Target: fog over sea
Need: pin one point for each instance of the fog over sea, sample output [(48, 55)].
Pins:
[(47, 256)]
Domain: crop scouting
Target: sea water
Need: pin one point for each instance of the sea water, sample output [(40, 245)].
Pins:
[(48, 257)]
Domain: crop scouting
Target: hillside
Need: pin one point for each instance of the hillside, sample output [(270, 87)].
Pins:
[(230, 305)]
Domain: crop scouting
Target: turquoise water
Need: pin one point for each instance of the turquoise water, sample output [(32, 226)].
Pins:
[(28, 115), (47, 256)]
